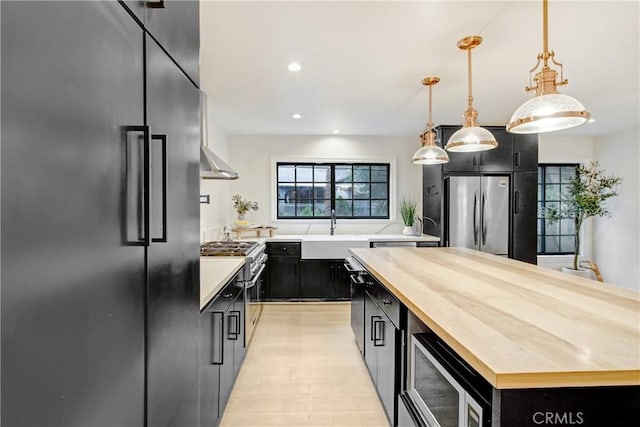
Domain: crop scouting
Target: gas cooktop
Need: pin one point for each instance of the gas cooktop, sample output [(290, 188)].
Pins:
[(227, 248)]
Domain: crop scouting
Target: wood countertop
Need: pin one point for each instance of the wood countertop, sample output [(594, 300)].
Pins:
[(215, 272), (519, 325)]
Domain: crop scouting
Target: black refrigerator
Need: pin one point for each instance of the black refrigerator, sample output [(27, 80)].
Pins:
[(100, 220)]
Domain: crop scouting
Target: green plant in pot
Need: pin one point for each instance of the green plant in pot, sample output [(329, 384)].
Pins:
[(585, 197), (408, 212)]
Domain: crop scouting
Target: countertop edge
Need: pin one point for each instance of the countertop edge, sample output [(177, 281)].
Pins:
[(229, 268)]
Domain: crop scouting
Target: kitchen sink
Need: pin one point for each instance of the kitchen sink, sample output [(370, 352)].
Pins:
[(331, 247)]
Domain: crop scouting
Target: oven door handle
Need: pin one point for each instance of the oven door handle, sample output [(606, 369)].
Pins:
[(250, 284)]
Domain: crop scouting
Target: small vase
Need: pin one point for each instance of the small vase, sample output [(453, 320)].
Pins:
[(407, 230), (241, 222), (241, 217)]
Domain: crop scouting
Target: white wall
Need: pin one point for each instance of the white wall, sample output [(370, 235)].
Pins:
[(214, 215), (553, 148), (616, 240), (253, 156)]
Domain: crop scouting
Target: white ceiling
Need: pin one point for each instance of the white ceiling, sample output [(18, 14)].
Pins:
[(363, 63)]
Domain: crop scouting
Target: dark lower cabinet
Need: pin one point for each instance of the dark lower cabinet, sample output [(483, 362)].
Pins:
[(283, 277), (221, 350), (323, 279), (381, 354), (357, 291)]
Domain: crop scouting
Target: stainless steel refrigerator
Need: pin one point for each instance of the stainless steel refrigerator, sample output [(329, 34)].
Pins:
[(478, 213)]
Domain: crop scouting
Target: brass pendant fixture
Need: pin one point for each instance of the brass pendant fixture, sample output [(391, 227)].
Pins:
[(549, 110), (430, 153), (470, 137)]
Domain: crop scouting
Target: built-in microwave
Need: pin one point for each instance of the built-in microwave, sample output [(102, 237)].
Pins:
[(443, 388)]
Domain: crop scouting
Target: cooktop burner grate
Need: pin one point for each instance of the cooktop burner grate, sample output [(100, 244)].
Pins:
[(227, 248)]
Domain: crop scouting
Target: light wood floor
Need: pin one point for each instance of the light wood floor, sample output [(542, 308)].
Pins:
[(303, 368)]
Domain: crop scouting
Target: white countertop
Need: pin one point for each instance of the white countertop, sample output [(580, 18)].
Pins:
[(215, 272), (370, 237)]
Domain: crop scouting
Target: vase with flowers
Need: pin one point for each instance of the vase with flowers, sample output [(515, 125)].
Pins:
[(242, 206)]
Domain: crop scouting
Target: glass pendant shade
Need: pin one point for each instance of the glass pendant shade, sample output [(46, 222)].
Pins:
[(549, 110), (471, 139), (430, 153), (548, 113)]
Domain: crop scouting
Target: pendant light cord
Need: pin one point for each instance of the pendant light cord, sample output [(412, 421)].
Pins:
[(470, 99), (545, 31), (430, 123)]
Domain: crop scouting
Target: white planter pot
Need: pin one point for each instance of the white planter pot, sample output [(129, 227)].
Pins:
[(407, 230), (582, 272)]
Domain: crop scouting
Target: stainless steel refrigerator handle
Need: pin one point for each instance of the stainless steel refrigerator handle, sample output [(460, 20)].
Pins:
[(475, 218), (484, 219)]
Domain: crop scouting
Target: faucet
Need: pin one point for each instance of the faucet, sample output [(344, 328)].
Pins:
[(332, 230)]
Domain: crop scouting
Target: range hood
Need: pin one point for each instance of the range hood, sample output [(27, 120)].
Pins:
[(213, 167)]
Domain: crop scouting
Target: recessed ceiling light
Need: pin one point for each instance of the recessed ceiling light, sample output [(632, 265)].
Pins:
[(294, 66), (296, 116), (336, 131)]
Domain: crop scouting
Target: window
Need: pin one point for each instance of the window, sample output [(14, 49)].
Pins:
[(557, 238), (312, 190)]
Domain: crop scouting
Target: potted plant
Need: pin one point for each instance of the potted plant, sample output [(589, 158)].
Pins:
[(242, 206), (585, 197), (408, 213)]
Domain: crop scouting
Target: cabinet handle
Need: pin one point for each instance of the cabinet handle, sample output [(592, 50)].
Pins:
[(229, 295), (158, 4), (475, 160), (163, 145), (219, 360), (386, 301), (141, 208), (517, 158), (234, 327), (516, 202), (373, 336), (378, 341)]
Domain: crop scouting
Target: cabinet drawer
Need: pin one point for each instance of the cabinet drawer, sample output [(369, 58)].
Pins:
[(389, 304), (283, 248)]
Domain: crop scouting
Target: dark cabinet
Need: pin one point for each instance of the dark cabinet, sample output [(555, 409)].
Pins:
[(221, 350), (525, 153), (432, 200), (381, 353), (283, 270), (357, 291), (498, 159), (171, 23), (323, 279), (524, 211)]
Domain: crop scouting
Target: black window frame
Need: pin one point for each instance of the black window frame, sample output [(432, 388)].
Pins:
[(541, 229), (332, 183)]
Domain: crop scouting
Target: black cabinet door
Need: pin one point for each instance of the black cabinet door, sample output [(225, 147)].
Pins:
[(357, 310), (342, 280), (432, 197), (73, 302), (176, 26), (173, 255), (283, 277), (385, 337), (524, 241), (210, 360), (499, 159), (317, 279), (230, 336), (525, 153), (371, 314), (238, 345)]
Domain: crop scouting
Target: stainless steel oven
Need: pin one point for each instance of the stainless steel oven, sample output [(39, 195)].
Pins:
[(254, 294), (444, 389)]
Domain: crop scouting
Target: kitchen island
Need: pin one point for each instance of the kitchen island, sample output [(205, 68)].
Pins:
[(530, 332)]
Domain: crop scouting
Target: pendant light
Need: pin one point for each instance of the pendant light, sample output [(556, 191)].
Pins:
[(470, 137), (548, 110), (430, 153)]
